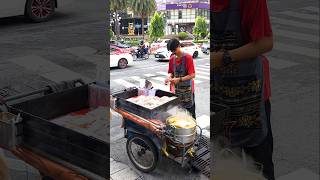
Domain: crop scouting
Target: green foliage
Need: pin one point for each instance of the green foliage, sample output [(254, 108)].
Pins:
[(132, 42), (200, 28), (182, 35), (201, 41), (156, 29), (143, 8)]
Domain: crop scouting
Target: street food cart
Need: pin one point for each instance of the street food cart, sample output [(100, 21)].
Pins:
[(61, 130), (152, 134)]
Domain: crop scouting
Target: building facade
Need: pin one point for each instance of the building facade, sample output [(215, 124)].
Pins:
[(180, 15)]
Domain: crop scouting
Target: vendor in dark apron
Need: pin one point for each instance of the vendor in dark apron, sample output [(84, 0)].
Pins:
[(183, 85), (239, 86)]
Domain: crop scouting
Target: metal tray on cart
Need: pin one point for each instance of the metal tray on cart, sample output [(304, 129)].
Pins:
[(45, 137), (141, 111)]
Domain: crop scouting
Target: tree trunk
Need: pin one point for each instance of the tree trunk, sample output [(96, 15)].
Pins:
[(142, 27), (117, 28)]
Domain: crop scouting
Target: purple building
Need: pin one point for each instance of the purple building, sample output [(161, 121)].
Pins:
[(181, 14)]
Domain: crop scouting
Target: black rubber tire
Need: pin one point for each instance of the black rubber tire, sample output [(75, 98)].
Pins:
[(121, 65), (195, 54), (152, 149), (37, 18)]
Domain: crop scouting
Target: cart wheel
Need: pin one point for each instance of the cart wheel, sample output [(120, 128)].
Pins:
[(142, 153)]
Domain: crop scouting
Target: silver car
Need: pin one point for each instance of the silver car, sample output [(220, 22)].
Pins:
[(205, 48)]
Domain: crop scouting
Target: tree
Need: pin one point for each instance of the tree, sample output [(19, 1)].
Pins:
[(183, 35), (156, 29), (143, 8), (110, 33), (200, 28), (117, 6)]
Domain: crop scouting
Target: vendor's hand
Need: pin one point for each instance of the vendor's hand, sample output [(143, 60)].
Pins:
[(217, 59), (167, 80), (175, 80)]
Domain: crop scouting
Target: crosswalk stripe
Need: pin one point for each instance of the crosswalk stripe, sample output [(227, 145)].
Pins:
[(204, 69), (202, 77), (201, 72), (162, 79), (196, 81), (295, 35), (204, 66), (149, 75), (300, 15), (124, 83), (310, 52), (276, 63), (154, 84), (48, 69), (312, 9), (163, 73), (207, 64), (160, 86), (295, 23)]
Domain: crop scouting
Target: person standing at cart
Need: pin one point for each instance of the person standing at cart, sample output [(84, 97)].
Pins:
[(241, 34), (181, 73)]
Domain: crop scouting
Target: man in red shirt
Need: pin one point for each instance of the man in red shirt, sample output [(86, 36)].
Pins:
[(181, 73), (241, 35)]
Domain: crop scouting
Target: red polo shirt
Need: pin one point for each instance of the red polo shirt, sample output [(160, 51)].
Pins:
[(189, 67), (255, 24)]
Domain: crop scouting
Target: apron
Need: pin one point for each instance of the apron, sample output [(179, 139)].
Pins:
[(238, 85), (183, 89)]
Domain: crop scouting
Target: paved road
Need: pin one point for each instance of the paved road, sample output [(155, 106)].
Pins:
[(65, 47), (294, 65)]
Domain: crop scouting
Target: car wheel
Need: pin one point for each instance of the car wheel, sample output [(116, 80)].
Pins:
[(195, 54), (40, 10), (123, 63)]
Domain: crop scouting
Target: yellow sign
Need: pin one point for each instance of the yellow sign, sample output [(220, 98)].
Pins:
[(131, 29)]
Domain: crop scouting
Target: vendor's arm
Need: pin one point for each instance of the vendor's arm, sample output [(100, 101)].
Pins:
[(248, 51), (256, 22)]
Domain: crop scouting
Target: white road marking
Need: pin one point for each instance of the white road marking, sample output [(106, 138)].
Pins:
[(294, 23), (202, 77), (163, 73), (162, 79), (300, 15), (48, 69), (204, 122), (149, 75), (204, 69), (205, 66), (200, 72), (124, 83)]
